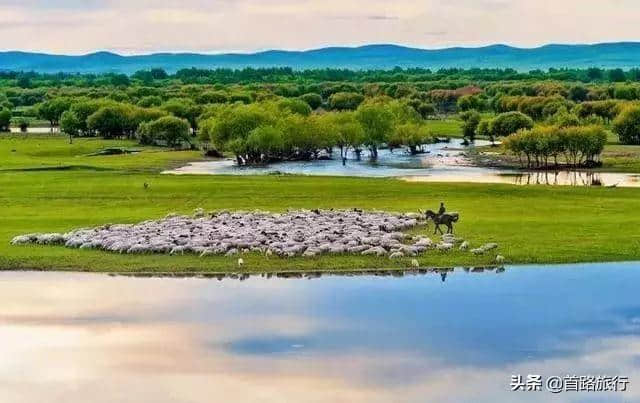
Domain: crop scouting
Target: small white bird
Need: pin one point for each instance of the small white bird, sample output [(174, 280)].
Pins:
[(499, 259), (415, 263), (240, 262)]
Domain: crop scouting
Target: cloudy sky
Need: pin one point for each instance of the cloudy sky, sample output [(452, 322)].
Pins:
[(144, 26)]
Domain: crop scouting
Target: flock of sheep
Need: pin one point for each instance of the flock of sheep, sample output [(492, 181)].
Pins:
[(294, 233)]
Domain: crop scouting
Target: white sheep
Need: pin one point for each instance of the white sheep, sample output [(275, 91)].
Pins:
[(443, 246), (289, 234), (500, 259), (240, 262)]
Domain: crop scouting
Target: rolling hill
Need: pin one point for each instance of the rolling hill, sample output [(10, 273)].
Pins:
[(608, 55)]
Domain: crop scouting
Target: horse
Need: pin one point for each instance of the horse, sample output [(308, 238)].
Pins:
[(443, 219)]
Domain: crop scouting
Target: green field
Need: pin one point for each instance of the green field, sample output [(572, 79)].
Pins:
[(445, 127), (47, 185)]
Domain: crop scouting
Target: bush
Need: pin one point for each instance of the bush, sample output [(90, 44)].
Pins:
[(170, 130), (471, 121), (345, 101), (627, 125), (212, 97), (295, 106), (110, 121), (150, 101), (312, 99), (509, 123), (23, 124), (5, 120)]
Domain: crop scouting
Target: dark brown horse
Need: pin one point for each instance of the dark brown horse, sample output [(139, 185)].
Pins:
[(442, 219)]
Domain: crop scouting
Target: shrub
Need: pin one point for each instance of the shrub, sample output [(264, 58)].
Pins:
[(509, 123), (471, 120), (295, 106), (169, 130), (5, 120), (110, 121), (312, 99), (627, 125), (345, 101)]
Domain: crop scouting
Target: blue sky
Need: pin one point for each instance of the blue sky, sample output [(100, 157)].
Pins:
[(144, 26)]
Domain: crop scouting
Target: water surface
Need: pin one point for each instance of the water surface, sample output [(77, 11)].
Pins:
[(441, 162), (457, 336)]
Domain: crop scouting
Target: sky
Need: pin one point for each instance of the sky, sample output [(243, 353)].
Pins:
[(213, 26)]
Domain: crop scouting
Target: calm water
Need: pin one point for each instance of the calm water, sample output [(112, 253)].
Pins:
[(444, 162), (95, 338)]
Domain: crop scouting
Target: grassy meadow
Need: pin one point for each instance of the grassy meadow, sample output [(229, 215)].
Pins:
[(48, 185)]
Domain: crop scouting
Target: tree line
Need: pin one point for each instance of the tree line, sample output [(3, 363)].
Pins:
[(540, 147)]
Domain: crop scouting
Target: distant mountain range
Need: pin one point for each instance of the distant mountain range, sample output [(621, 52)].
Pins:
[(607, 55)]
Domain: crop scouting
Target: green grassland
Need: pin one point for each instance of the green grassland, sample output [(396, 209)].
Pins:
[(532, 224), (53, 151), (450, 127)]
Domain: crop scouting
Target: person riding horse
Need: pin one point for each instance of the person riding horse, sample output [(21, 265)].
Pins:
[(442, 218)]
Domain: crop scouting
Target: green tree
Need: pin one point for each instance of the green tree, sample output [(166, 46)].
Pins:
[(169, 130), (23, 124), (312, 99), (378, 124), (578, 93), (627, 125), (349, 134), (149, 101), (5, 120), (471, 120), (345, 101), (265, 143), (212, 97), (294, 106), (484, 129), (185, 109), (70, 124), (52, 110), (616, 75), (509, 123), (109, 121)]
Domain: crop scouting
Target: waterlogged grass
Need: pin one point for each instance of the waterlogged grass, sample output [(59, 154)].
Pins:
[(532, 224)]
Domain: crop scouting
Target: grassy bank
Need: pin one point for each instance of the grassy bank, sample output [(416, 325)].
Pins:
[(532, 224)]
